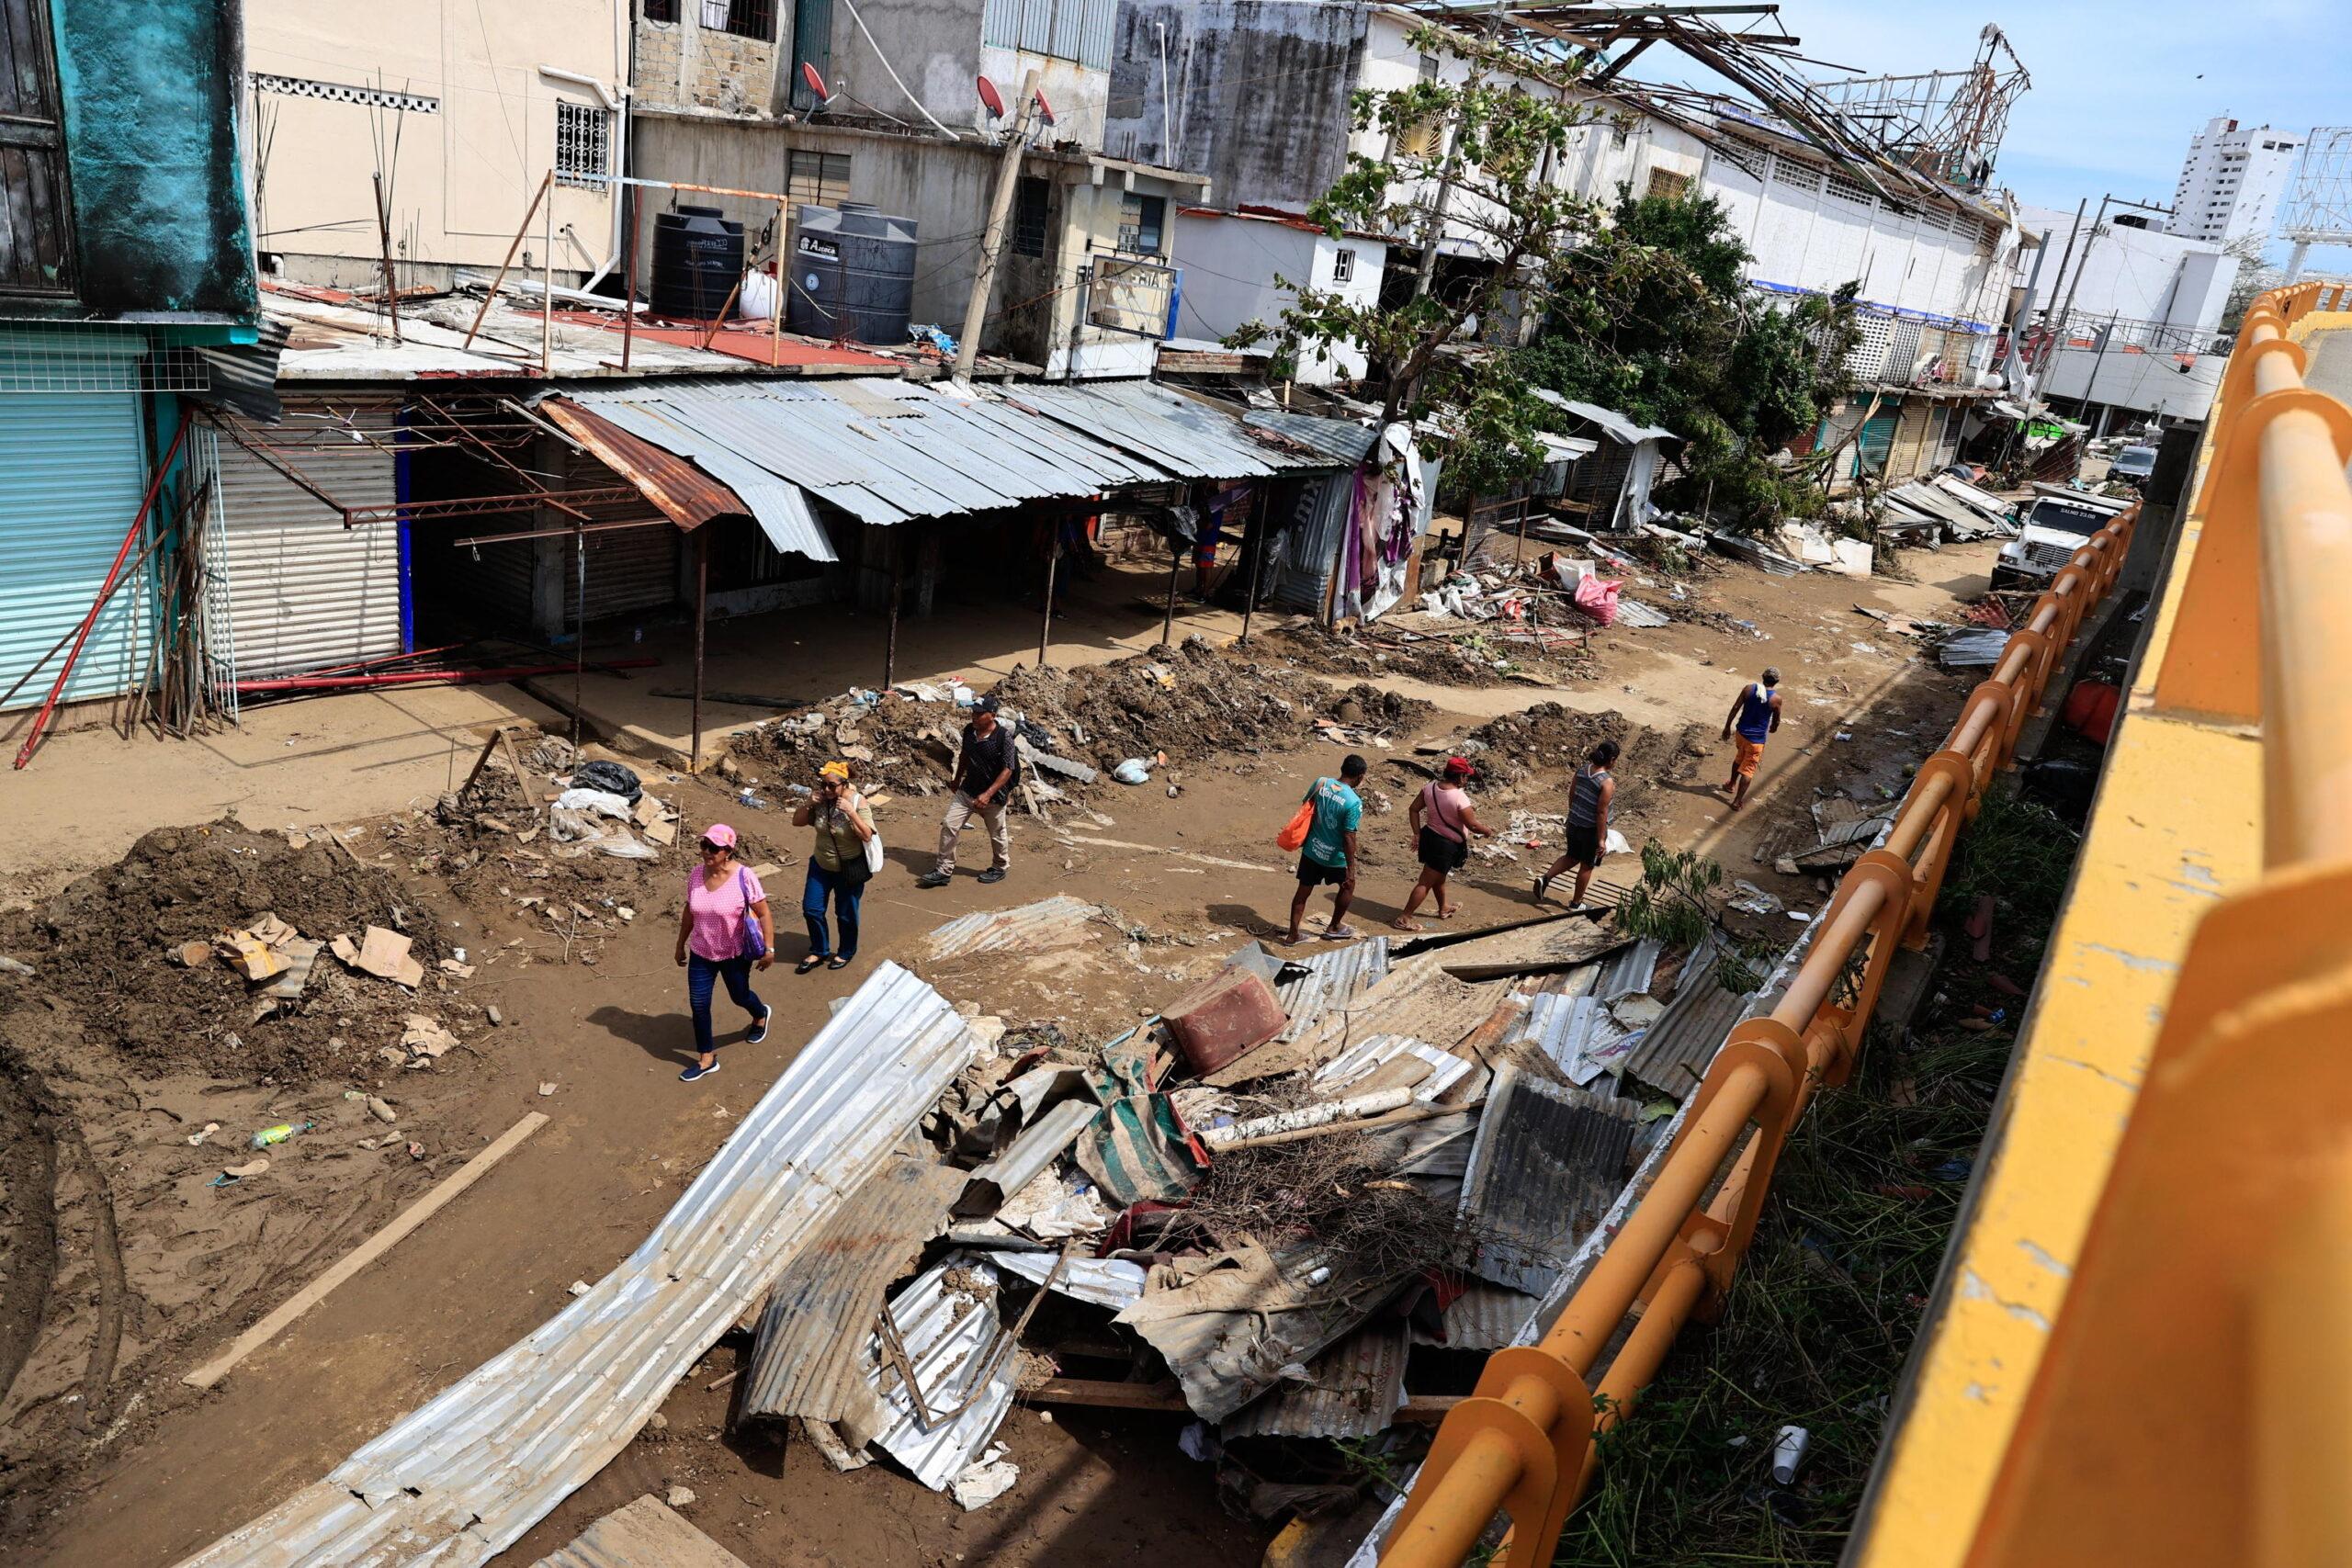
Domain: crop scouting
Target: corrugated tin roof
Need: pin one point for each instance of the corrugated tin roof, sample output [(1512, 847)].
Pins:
[(1629, 971), (1311, 986), (954, 1340), (1111, 1282), (1037, 1146), (462, 1477), (809, 1356), (1677, 1047), (1366, 1057), (1577, 1034), (1353, 1390), (1548, 1161), (1485, 1317), (647, 1533), (1170, 430), (1610, 420), (653, 450), (1340, 440), (1058, 921)]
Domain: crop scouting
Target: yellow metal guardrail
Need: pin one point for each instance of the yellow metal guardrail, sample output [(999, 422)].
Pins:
[(2194, 1402), (1523, 1445)]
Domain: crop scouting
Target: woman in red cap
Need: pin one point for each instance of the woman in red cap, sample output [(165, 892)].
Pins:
[(724, 933), (1443, 822)]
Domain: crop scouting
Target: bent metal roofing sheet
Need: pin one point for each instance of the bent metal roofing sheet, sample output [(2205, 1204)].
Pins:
[(462, 1477)]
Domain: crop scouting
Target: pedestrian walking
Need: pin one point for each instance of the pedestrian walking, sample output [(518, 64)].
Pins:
[(1590, 795), (984, 764), (838, 867), (724, 932), (1441, 821), (1755, 712), (1328, 858)]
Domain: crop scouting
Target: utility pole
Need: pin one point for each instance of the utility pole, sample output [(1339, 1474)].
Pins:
[(2024, 314), (1433, 231), (967, 345)]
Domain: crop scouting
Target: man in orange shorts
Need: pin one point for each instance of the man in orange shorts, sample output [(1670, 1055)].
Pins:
[(1755, 712)]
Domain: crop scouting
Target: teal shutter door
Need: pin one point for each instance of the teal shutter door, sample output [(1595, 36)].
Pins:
[(73, 469)]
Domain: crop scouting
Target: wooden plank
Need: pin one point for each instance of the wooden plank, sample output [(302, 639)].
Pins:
[(648, 1531), (366, 1252)]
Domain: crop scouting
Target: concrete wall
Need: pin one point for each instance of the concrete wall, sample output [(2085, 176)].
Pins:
[(2138, 274), (937, 49), (465, 173), (1256, 93), (685, 65), (1230, 264), (152, 116), (2181, 387)]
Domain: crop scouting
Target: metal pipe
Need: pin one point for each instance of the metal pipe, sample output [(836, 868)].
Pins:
[(1168, 620), (1831, 947), (546, 288), (428, 677), (891, 640), (498, 277), (2305, 542), (701, 621), (1053, 559)]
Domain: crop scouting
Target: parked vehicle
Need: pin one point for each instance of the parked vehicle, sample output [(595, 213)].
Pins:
[(2053, 526), (2132, 466)]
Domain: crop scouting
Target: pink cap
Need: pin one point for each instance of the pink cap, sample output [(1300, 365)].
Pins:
[(720, 834)]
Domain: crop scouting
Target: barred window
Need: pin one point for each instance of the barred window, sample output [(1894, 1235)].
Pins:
[(1140, 221), (821, 179), (582, 142), (1029, 217), (660, 10)]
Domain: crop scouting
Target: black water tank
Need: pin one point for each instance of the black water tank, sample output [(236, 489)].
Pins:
[(852, 274), (698, 260)]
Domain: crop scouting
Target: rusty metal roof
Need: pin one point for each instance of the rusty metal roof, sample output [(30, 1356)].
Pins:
[(1485, 1317), (668, 462), (462, 1477), (647, 1533), (810, 1358), (1549, 1160), (1353, 1390)]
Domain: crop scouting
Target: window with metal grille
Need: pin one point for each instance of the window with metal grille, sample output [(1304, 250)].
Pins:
[(821, 179), (582, 142), (1140, 219), (1853, 191), (660, 10), (1745, 156), (1344, 266), (1423, 138), (36, 214), (1029, 217), (1060, 30), (745, 18), (1668, 186)]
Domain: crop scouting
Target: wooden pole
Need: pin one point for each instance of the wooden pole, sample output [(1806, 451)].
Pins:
[(776, 316), (897, 583), (702, 616), (976, 309), (1257, 563), (547, 291), (500, 276), (384, 241), (1053, 559), (629, 281), (1168, 621), (721, 320)]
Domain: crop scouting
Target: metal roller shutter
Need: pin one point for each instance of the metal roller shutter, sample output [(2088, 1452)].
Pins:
[(304, 590), (73, 469), (629, 569)]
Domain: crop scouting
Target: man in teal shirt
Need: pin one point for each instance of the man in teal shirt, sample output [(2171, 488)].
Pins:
[(1328, 856)]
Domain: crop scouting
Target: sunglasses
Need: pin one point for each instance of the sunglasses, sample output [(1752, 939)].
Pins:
[(710, 849)]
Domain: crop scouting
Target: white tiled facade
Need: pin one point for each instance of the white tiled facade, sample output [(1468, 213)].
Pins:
[(2232, 181)]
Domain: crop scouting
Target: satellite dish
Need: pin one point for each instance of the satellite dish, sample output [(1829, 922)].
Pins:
[(1045, 108), (816, 83), (990, 99)]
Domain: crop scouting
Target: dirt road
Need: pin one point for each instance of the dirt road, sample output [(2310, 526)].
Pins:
[(169, 1468)]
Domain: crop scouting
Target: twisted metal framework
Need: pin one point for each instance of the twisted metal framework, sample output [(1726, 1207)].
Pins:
[(1947, 124), (2318, 208)]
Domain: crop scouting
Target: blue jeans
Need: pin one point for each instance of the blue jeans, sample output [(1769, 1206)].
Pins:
[(702, 976), (845, 895)]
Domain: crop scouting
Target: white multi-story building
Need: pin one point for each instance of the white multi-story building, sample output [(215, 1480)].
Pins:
[(2232, 180)]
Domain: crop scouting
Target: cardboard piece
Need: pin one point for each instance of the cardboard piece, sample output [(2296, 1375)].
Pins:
[(385, 955)]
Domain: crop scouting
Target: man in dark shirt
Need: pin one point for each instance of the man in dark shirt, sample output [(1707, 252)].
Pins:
[(984, 764)]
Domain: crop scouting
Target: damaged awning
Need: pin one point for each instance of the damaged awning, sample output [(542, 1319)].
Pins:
[(682, 473), (1616, 425)]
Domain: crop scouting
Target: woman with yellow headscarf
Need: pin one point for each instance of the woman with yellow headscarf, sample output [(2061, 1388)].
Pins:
[(837, 868)]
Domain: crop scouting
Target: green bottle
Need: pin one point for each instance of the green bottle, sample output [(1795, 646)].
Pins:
[(279, 1133)]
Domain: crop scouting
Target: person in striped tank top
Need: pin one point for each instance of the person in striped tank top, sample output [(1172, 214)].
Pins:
[(1590, 796)]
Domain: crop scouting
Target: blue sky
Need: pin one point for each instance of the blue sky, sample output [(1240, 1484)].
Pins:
[(2118, 88)]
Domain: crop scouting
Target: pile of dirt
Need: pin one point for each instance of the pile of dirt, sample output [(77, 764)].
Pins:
[(896, 742), (1368, 708), (1471, 659), (108, 942), (1547, 738)]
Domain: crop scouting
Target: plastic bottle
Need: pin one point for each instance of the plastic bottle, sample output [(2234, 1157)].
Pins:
[(279, 1133)]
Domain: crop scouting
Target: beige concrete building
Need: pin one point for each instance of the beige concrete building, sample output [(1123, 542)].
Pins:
[(461, 109)]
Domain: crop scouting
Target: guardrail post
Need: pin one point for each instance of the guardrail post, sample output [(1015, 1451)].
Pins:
[(1935, 854)]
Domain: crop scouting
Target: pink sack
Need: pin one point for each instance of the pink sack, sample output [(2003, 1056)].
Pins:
[(1597, 597)]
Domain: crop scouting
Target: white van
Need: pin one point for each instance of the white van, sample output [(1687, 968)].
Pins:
[(2054, 527)]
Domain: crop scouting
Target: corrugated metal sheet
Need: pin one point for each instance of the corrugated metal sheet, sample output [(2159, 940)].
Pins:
[(628, 570), (1577, 1034), (1634, 613), (1548, 1161), (72, 472), (647, 1533), (462, 1478), (1675, 1050), (1038, 1146), (810, 1358), (304, 590), (652, 450), (1307, 550), (1333, 979), (1058, 921), (1111, 1282), (1629, 971), (1366, 1057), (1618, 426), (1353, 1390), (1170, 430), (1485, 1317), (1338, 441), (953, 1340)]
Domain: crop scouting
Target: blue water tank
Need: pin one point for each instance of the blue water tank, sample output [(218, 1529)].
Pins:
[(852, 274)]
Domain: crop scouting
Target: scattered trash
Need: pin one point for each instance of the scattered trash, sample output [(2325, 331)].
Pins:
[(1750, 899), (1789, 1446), (279, 1133), (578, 1287), (679, 1496), (196, 1138), (984, 1480), (382, 1110), (237, 1173), (545, 1089)]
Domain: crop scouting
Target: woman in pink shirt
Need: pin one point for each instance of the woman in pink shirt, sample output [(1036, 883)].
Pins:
[(724, 932)]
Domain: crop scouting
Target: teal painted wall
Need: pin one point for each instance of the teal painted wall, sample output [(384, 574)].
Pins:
[(151, 118)]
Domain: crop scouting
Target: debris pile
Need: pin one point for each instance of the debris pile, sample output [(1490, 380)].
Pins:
[(238, 955), (1242, 1213)]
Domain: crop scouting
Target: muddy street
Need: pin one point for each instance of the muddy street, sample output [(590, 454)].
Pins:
[(130, 1259)]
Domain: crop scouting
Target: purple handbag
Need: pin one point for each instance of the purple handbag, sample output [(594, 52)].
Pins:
[(755, 945)]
